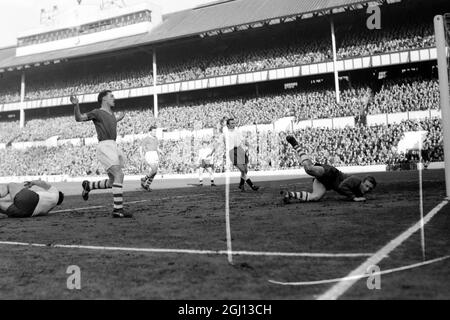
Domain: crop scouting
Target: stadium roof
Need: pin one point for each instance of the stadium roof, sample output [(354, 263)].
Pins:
[(200, 20)]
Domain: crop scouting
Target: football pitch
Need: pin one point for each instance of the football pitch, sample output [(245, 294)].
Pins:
[(175, 247)]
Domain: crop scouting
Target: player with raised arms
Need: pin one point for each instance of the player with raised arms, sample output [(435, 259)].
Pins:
[(29, 199), (108, 153), (149, 151), (328, 178)]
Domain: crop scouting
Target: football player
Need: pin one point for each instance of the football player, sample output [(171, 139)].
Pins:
[(326, 178)]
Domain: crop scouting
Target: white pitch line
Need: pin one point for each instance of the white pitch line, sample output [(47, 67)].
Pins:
[(77, 209), (131, 202), (190, 251), (340, 288), (300, 254), (366, 275)]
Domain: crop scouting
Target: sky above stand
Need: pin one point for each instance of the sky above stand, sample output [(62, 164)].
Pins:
[(22, 15)]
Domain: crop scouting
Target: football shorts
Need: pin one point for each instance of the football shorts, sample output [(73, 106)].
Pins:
[(331, 178), (206, 164), (151, 157), (109, 154), (238, 156)]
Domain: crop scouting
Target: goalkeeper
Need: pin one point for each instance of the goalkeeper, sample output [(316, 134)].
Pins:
[(328, 178)]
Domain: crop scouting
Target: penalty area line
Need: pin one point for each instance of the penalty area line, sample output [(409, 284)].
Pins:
[(366, 275), (189, 251), (340, 288)]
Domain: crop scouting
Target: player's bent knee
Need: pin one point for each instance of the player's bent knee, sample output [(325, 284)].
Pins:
[(306, 163), (315, 197), (110, 182), (3, 191), (309, 169), (315, 171), (117, 173), (119, 177)]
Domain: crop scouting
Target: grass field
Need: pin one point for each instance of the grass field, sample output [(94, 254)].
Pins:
[(330, 239)]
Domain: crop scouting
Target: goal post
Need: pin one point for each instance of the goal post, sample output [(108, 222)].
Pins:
[(442, 32)]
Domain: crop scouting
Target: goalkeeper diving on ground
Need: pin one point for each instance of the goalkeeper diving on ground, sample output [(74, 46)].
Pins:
[(326, 178)]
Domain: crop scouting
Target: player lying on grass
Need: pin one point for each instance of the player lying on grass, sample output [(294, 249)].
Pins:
[(29, 199), (328, 178)]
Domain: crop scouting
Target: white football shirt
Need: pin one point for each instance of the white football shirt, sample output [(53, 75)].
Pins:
[(205, 154), (48, 199), (235, 138)]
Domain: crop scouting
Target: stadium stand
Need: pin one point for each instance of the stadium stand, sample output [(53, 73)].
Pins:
[(286, 47), (217, 53), (360, 145), (94, 27), (396, 95)]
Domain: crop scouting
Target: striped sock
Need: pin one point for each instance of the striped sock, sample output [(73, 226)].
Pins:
[(149, 180), (117, 195), (304, 157), (302, 196), (102, 184)]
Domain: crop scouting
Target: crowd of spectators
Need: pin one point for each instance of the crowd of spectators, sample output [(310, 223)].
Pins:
[(9, 131), (65, 127), (289, 49), (125, 73), (361, 145), (9, 88), (396, 34), (277, 50), (406, 94)]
